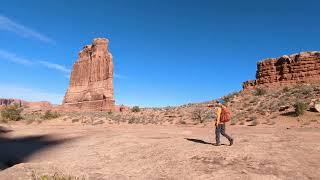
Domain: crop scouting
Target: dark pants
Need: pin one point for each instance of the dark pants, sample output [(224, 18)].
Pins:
[(220, 129)]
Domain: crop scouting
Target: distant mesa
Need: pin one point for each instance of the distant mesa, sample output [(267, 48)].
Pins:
[(28, 106), (8, 102), (91, 81), (303, 67)]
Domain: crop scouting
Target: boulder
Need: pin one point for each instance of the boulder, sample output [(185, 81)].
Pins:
[(317, 107)]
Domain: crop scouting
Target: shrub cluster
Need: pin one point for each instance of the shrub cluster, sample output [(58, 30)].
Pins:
[(50, 115), (260, 92), (12, 113), (135, 109), (300, 108)]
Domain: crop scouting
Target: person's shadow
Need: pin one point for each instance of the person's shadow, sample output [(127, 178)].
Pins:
[(202, 141), (199, 141)]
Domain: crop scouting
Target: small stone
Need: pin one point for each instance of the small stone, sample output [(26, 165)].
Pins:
[(98, 122), (244, 171)]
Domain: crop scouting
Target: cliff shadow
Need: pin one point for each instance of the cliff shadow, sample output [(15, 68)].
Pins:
[(16, 150)]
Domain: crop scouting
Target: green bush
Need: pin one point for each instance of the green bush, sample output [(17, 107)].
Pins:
[(260, 92), (12, 113), (50, 115), (300, 108), (135, 109)]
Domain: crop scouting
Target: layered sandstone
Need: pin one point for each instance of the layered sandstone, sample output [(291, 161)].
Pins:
[(297, 68), (91, 81)]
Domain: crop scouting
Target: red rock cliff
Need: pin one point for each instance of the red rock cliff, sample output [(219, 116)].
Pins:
[(91, 81), (297, 68)]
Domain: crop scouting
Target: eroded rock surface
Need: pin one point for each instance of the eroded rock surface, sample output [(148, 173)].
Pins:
[(91, 81), (297, 68)]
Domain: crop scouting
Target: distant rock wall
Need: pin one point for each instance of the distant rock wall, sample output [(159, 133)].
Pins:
[(297, 68), (9, 102), (91, 81)]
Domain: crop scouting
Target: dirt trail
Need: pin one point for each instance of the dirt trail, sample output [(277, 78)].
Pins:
[(163, 152)]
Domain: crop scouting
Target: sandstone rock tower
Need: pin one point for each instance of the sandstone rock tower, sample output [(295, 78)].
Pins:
[(91, 81), (303, 67)]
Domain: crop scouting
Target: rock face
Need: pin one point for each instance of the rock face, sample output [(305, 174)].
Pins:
[(91, 81), (297, 68), (8, 102)]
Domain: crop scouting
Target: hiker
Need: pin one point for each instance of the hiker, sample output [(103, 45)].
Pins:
[(223, 115)]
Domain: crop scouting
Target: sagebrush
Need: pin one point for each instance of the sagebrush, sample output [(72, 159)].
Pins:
[(12, 113)]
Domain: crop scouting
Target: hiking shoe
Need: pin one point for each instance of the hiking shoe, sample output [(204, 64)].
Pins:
[(231, 142)]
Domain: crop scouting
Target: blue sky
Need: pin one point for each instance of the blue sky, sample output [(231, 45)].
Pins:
[(166, 52)]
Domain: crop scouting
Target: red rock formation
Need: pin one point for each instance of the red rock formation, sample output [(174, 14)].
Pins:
[(91, 82), (8, 102), (297, 68)]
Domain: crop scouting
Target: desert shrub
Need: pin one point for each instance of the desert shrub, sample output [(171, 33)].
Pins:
[(286, 89), (260, 92), (229, 97), (55, 176), (306, 90), (12, 113), (233, 121), (135, 109), (254, 101), (300, 108), (50, 115), (200, 115)]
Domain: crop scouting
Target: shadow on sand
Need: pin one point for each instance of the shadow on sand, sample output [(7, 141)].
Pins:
[(202, 142), (16, 150), (198, 141)]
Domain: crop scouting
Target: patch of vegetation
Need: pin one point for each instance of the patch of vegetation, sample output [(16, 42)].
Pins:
[(286, 89), (11, 113), (260, 92), (200, 115), (233, 121), (135, 109), (300, 108), (50, 115), (55, 176), (254, 100), (229, 97)]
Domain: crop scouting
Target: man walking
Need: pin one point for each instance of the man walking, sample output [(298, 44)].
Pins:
[(223, 115)]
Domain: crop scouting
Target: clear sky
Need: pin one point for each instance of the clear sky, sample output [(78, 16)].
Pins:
[(166, 52)]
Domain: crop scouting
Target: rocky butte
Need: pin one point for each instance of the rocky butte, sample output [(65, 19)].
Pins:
[(91, 81), (303, 67)]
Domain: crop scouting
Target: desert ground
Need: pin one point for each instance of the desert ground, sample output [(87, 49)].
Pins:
[(136, 151)]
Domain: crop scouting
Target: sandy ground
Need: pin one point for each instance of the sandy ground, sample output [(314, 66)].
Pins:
[(160, 152)]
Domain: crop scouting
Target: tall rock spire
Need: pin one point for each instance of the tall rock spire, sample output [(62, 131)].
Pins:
[(91, 81)]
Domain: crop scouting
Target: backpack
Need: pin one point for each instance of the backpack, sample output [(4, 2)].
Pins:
[(225, 115)]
